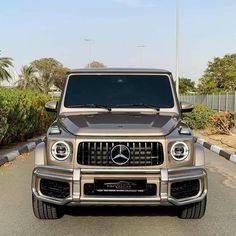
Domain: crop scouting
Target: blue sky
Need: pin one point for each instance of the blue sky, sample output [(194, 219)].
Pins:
[(57, 28)]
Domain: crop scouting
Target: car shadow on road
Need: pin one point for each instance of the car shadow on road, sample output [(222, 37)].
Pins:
[(119, 211)]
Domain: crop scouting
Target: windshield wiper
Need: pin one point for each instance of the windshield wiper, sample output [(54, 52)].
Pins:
[(93, 105), (139, 105)]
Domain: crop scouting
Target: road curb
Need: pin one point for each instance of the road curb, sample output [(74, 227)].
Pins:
[(24, 149), (31, 145), (218, 150)]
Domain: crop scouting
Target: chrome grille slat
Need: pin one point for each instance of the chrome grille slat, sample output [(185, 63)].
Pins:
[(141, 153), (89, 154), (83, 152), (145, 147), (95, 152), (101, 153), (133, 151)]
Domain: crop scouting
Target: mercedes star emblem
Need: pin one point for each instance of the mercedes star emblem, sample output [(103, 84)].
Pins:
[(120, 154)]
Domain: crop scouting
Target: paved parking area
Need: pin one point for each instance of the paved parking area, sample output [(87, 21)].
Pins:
[(16, 217)]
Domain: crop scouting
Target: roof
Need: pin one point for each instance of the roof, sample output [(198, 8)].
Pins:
[(120, 70)]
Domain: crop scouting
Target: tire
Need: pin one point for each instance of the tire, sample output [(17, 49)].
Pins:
[(44, 210), (194, 211)]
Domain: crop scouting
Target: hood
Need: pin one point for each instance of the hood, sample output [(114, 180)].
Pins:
[(119, 124)]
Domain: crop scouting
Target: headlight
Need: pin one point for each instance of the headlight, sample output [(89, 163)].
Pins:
[(179, 151), (60, 150)]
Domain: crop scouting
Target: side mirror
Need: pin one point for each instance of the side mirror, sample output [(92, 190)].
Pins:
[(186, 107), (51, 106)]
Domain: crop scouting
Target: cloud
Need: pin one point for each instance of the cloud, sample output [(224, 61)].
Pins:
[(137, 3)]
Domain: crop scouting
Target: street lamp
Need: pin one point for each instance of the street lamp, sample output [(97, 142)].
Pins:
[(89, 41), (177, 47), (141, 47)]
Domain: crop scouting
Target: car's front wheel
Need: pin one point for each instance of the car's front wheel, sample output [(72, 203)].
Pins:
[(194, 211), (44, 210)]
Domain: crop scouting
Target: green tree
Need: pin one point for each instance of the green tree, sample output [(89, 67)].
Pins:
[(5, 64), (207, 85), (46, 70), (220, 75), (95, 64), (27, 78), (60, 77), (186, 85)]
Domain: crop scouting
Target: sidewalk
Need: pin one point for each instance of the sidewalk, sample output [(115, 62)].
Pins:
[(17, 151), (8, 148), (227, 142)]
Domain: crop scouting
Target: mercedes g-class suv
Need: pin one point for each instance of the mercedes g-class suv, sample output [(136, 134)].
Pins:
[(119, 139)]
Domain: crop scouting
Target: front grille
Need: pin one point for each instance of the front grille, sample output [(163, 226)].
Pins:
[(141, 153)]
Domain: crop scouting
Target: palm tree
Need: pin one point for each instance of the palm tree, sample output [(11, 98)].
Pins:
[(5, 63), (28, 79)]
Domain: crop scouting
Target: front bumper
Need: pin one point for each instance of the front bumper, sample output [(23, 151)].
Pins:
[(77, 178)]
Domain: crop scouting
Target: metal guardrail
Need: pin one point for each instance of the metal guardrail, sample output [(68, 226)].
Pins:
[(219, 101)]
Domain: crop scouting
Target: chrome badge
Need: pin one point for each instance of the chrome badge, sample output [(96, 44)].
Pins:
[(120, 154)]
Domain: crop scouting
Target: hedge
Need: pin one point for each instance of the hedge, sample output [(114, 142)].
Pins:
[(200, 116), (203, 117), (22, 115)]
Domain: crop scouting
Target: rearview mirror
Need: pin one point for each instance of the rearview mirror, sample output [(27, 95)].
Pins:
[(186, 107), (51, 106)]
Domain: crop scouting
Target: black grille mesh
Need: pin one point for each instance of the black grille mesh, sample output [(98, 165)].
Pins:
[(53, 188), (141, 153)]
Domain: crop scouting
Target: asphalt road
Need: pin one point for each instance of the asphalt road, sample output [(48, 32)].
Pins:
[(16, 217)]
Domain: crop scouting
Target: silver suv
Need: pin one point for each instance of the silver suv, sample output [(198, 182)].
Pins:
[(119, 139)]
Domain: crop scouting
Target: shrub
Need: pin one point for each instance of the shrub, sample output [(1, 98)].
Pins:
[(199, 117), (22, 115), (221, 123), (3, 119)]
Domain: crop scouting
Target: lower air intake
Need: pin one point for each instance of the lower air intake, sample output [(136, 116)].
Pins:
[(185, 189), (55, 189)]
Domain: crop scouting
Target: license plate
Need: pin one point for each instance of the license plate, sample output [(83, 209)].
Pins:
[(129, 186)]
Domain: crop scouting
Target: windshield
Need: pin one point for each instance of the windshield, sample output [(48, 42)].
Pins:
[(119, 90)]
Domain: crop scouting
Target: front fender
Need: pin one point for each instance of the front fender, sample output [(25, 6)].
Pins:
[(199, 155), (40, 154)]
